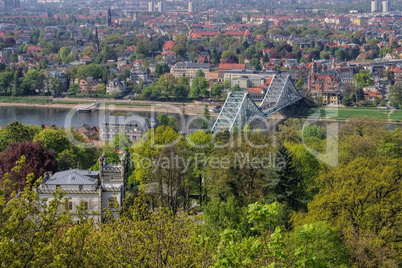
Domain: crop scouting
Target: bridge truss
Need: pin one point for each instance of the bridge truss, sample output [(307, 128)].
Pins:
[(239, 108)]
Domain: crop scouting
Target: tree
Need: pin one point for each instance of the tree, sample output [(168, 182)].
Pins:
[(180, 92), (64, 52), (324, 55), (6, 79), (216, 90), (361, 198), (299, 85), (167, 84), (35, 223), (53, 139), (16, 132), (395, 94), (179, 49), (390, 76), (284, 185), (145, 150), (55, 85), (168, 120), (340, 55), (207, 117), (255, 62), (38, 161), (161, 69), (73, 89), (363, 78), (236, 88), (199, 85), (100, 89)]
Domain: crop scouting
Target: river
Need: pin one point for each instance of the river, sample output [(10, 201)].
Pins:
[(59, 116)]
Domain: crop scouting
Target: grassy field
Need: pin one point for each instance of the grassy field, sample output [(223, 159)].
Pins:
[(32, 100), (345, 113)]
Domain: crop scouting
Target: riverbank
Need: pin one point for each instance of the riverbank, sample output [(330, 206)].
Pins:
[(194, 109)]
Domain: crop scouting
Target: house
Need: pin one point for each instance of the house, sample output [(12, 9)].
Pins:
[(90, 132), (136, 75), (88, 84), (372, 94), (60, 75), (325, 85), (134, 127), (397, 73), (116, 85), (391, 56), (86, 58), (33, 49), (91, 190)]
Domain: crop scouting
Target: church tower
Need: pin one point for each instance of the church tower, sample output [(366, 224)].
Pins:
[(109, 18), (96, 41)]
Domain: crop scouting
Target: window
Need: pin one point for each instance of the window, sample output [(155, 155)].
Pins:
[(69, 205), (80, 187), (85, 205), (57, 186)]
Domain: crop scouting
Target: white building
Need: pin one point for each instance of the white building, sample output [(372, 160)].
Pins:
[(189, 69), (375, 6), (191, 7), (386, 6), (116, 85), (156, 6), (91, 190)]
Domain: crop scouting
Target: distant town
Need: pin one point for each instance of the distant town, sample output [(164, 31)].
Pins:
[(203, 133)]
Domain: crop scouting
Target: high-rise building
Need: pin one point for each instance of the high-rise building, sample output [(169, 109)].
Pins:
[(191, 8), (151, 7), (375, 6), (156, 6), (9, 4), (161, 6), (386, 6)]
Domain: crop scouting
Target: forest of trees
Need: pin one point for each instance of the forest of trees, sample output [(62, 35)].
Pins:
[(218, 210)]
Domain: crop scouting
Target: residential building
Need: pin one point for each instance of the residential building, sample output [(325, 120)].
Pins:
[(325, 85), (134, 127), (116, 85), (136, 75), (88, 84), (248, 82), (189, 69), (235, 74), (386, 6), (375, 6), (191, 7), (91, 190)]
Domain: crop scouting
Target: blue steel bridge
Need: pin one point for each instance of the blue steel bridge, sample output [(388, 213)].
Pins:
[(239, 109)]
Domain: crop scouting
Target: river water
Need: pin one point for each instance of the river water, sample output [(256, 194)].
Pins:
[(62, 117)]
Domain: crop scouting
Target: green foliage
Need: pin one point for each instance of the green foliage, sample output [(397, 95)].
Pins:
[(16, 132), (216, 90), (363, 78), (361, 198), (299, 85), (285, 183), (168, 120), (314, 131), (161, 69), (199, 87), (395, 94), (53, 139), (236, 88)]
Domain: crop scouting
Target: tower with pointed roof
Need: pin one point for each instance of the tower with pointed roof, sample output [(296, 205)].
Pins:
[(109, 18)]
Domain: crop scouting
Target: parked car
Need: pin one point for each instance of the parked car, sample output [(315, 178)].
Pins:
[(217, 109)]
